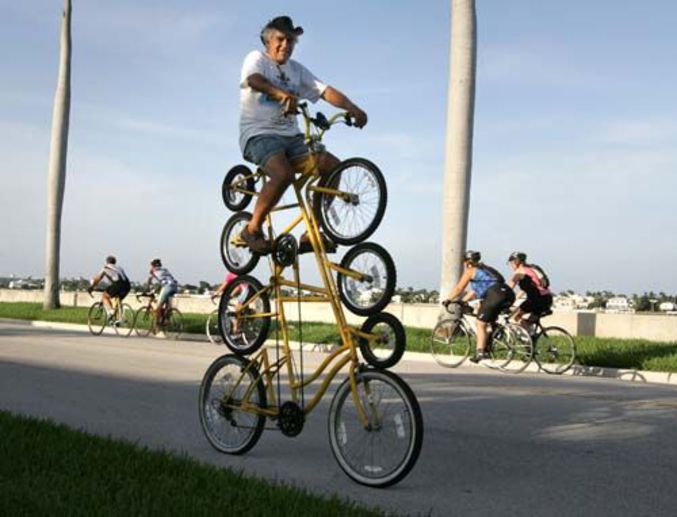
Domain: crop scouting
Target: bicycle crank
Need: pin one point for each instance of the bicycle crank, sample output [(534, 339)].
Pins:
[(291, 419), (285, 250)]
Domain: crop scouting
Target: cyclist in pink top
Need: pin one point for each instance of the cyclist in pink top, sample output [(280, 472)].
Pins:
[(534, 283)]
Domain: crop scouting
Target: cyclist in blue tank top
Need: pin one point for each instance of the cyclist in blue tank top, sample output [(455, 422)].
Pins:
[(488, 285)]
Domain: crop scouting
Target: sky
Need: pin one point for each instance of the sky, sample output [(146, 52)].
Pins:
[(574, 147)]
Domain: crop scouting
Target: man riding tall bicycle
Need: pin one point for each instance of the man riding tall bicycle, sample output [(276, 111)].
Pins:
[(271, 85)]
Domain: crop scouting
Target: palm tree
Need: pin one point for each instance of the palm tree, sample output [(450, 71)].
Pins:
[(56, 180), (458, 145)]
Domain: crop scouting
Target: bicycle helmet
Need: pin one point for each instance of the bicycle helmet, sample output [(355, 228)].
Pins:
[(472, 256), (517, 255), (110, 259), (156, 263)]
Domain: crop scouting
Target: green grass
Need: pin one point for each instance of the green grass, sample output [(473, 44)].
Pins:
[(49, 469), (639, 354)]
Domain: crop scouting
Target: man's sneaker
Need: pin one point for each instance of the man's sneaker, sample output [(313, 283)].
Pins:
[(306, 247), (479, 356), (256, 241)]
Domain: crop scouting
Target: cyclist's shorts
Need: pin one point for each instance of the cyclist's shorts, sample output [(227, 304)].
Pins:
[(498, 297), (118, 289), (537, 305), (261, 147), (167, 291)]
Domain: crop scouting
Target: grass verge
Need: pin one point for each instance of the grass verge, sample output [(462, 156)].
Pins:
[(637, 354), (49, 469)]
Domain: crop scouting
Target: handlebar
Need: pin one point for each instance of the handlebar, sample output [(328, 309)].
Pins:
[(321, 122), (464, 306)]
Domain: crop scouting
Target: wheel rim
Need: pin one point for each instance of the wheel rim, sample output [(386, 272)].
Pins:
[(126, 322), (386, 343), (238, 321), (555, 350), (144, 322), (213, 328), (97, 318), (378, 453), (350, 218), (227, 427), (368, 293), (236, 257), (449, 344), (501, 352), (174, 325), (233, 196)]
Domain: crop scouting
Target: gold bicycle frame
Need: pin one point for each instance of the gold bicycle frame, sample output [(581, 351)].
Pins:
[(346, 354)]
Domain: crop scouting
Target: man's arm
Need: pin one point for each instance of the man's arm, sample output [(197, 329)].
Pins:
[(338, 99), (462, 284), (259, 83)]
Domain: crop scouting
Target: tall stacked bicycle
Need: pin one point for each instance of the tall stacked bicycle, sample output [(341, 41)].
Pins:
[(375, 422)]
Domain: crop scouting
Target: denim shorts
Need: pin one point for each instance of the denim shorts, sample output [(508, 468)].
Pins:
[(167, 291), (261, 147)]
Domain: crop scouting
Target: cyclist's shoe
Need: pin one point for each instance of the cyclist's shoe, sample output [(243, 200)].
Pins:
[(306, 247), (479, 356), (256, 241)]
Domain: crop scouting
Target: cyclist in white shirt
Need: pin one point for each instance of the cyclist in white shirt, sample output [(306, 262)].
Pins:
[(161, 277), (271, 85), (117, 280)]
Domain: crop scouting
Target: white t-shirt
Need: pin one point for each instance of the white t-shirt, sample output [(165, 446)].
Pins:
[(113, 273), (259, 114), (163, 277)]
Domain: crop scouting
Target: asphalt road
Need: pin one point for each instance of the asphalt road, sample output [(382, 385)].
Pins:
[(494, 444)]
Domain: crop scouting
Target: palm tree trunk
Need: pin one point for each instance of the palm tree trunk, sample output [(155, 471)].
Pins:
[(458, 144), (56, 180)]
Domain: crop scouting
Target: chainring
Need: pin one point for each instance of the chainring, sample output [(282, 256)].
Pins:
[(285, 250), (291, 419)]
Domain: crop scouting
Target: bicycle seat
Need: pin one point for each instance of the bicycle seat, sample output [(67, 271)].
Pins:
[(546, 313)]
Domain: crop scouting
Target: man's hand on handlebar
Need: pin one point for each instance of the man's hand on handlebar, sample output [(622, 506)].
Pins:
[(289, 103), (359, 117)]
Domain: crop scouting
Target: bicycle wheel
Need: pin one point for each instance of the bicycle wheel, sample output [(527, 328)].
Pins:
[(143, 321), (239, 177), (173, 323), (97, 317), (501, 351), (383, 450), (212, 328), (555, 350), (124, 323), (229, 383), (237, 259), (372, 293), (244, 315), (522, 348), (451, 343), (353, 217), (390, 340)]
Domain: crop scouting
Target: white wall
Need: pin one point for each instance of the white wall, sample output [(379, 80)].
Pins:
[(658, 327)]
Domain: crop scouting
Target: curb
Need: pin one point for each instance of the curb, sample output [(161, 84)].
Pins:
[(625, 375)]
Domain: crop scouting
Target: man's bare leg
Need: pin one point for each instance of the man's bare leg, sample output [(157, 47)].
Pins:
[(280, 176)]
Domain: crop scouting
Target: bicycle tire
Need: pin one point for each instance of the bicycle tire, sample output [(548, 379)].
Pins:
[(246, 334), (235, 200), (389, 348), (226, 428), (522, 349), (97, 318), (237, 259), (360, 216), (451, 343), (125, 324), (143, 321), (173, 327), (212, 328), (501, 351), (372, 295), (555, 350), (386, 450)]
